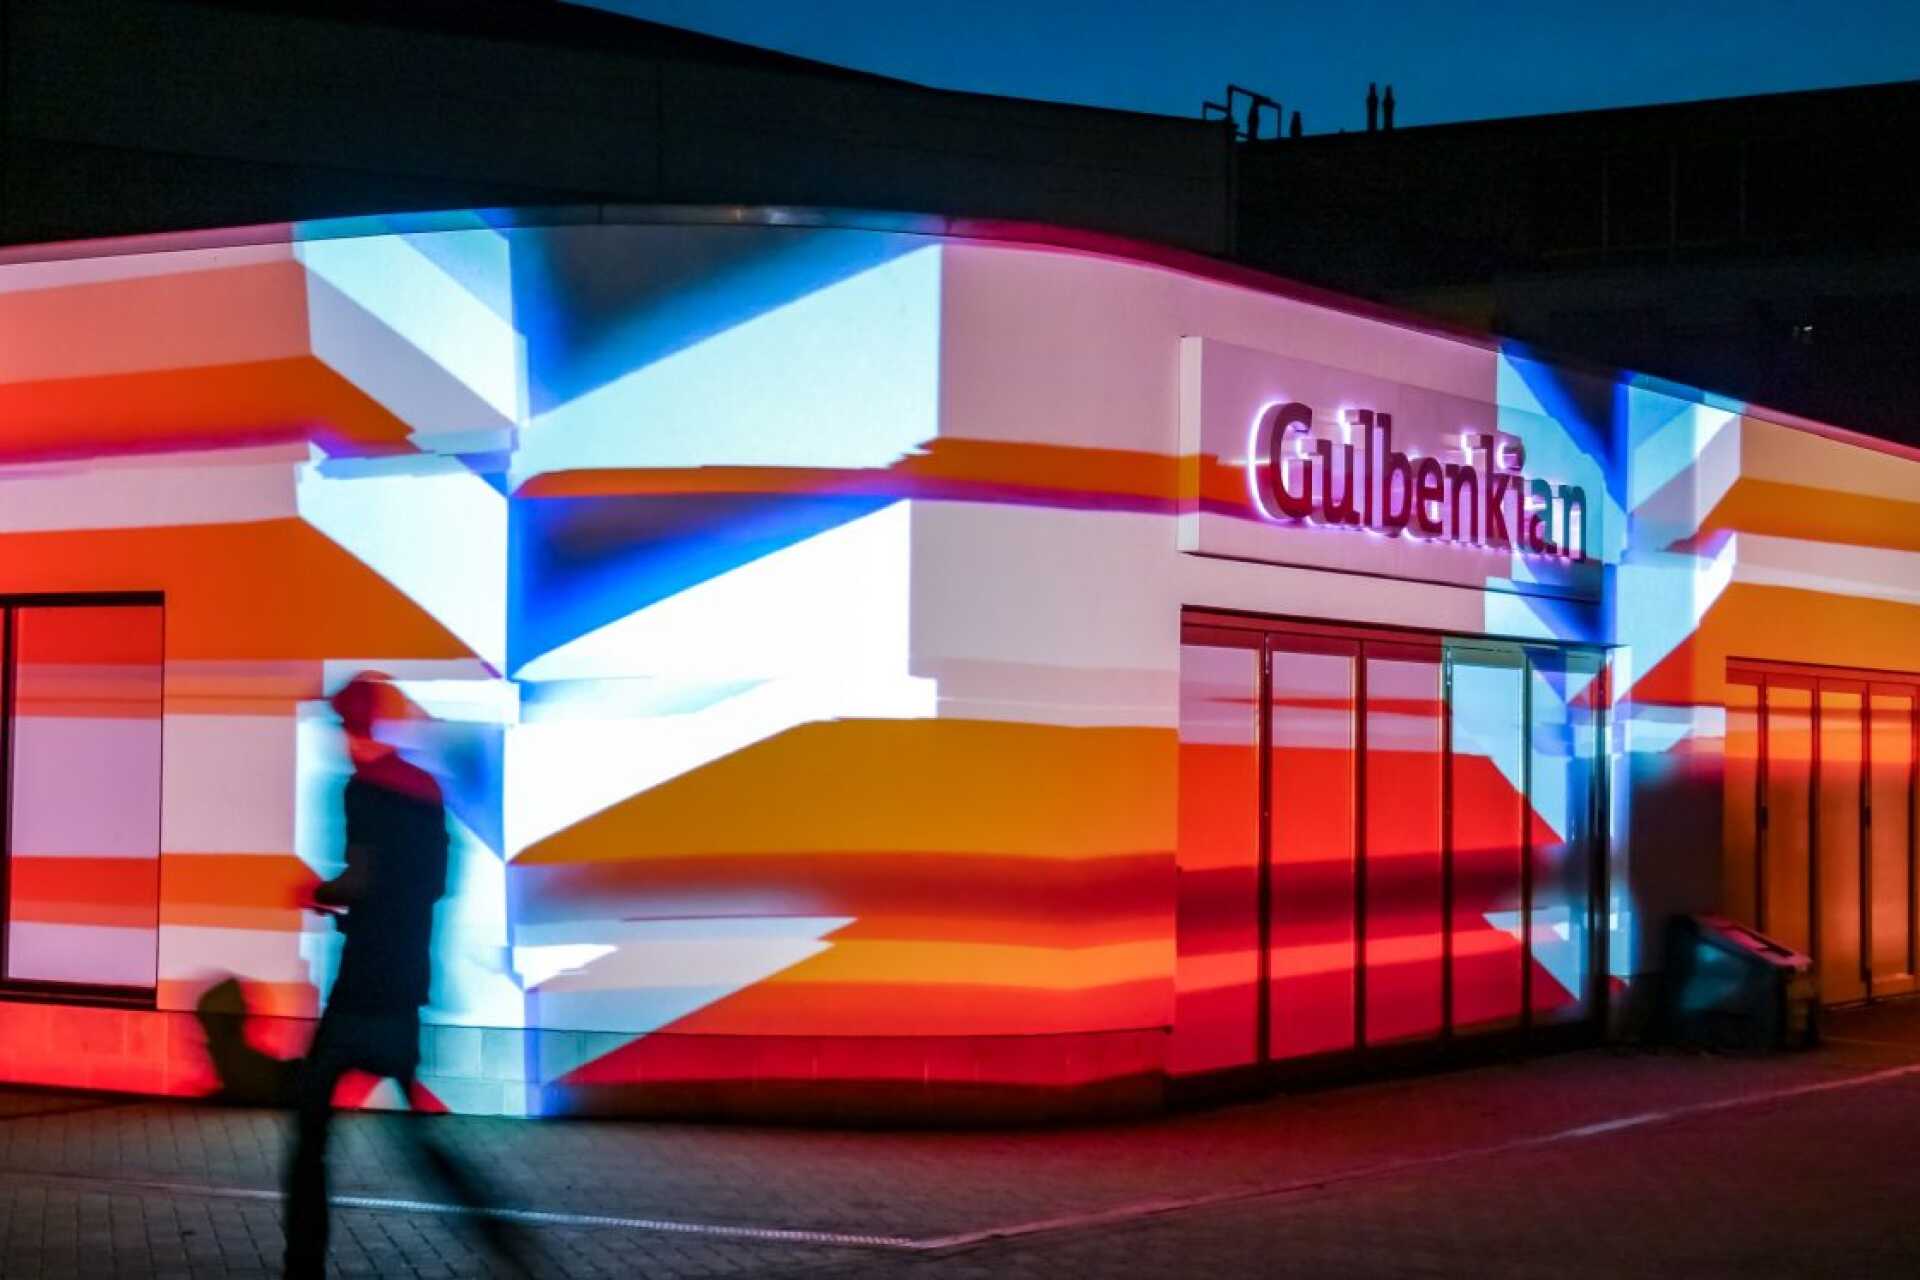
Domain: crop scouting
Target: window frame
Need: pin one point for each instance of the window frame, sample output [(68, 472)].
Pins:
[(37, 990)]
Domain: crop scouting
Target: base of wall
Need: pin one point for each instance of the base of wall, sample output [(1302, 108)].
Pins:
[(845, 1081), (892, 1104), (939, 1081), (1634, 1008)]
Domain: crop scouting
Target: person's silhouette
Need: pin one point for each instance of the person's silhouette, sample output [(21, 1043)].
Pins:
[(396, 836)]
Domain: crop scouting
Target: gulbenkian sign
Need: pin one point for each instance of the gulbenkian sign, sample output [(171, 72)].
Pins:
[(1449, 472), (1363, 482)]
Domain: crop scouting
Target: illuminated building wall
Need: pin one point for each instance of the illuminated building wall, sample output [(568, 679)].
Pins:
[(794, 618)]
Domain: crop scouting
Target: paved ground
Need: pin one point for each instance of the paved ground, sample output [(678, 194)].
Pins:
[(1599, 1164)]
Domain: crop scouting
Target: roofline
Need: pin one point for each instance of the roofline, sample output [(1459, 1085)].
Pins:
[(1598, 116), (938, 226), (565, 21)]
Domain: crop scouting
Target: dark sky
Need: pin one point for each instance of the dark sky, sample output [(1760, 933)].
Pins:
[(1465, 60)]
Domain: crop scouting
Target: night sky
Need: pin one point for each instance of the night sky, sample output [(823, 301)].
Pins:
[(1468, 60)]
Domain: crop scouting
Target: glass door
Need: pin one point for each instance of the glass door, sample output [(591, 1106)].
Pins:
[(1487, 801), (1216, 989), (1313, 882), (1820, 789), (1786, 816), (1385, 840), (1840, 928), (1566, 695), (1402, 888)]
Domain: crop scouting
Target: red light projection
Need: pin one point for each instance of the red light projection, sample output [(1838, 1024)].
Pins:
[(1400, 775)]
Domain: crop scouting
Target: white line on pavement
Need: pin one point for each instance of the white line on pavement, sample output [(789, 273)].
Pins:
[(1039, 1226), (536, 1217), (1153, 1208)]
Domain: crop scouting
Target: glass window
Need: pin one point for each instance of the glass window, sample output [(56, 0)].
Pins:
[(1739, 887), (1486, 795), (1403, 886), (1786, 845), (1312, 880), (1891, 840), (83, 816), (1566, 696), (1217, 970), (1842, 975)]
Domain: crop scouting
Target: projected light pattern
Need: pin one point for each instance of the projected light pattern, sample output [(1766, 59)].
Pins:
[(792, 616)]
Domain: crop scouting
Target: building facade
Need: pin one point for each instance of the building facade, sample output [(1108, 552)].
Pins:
[(909, 668)]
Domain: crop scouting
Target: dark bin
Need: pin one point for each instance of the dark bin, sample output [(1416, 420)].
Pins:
[(1729, 987)]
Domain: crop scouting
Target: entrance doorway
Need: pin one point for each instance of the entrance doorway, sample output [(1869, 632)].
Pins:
[(1387, 840), (1819, 824)]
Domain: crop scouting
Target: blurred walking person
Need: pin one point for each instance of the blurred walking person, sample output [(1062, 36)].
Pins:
[(396, 855)]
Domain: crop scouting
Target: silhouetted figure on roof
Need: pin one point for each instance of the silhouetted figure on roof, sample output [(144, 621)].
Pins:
[(1386, 111), (1373, 107), (396, 834)]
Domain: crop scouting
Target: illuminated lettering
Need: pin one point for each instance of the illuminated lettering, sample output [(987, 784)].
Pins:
[(1368, 484), (1429, 493), (1463, 495), (1280, 422)]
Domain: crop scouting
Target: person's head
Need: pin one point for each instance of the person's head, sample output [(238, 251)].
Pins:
[(361, 703)]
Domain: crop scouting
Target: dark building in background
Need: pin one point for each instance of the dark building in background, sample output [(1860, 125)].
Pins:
[(1766, 247), (124, 116)]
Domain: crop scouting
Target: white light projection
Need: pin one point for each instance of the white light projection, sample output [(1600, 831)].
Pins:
[(224, 486), (429, 526), (846, 376), (660, 971), (433, 347), (842, 598)]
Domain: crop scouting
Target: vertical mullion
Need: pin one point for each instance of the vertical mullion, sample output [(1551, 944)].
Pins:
[(1263, 745), (1762, 814), (7, 615), (1446, 845), (1526, 841), (1813, 830), (1361, 767), (160, 803), (1866, 838), (1913, 844), (1600, 841)]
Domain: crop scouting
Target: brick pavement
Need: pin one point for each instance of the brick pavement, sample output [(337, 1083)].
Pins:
[(1812, 1184)]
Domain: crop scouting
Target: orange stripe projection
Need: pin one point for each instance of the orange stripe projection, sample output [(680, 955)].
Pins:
[(1059, 921), (234, 890), (1816, 515), (947, 467), (297, 398), (928, 896), (900, 786), (82, 890), (784, 1005), (185, 359), (1798, 626), (259, 591), (222, 313)]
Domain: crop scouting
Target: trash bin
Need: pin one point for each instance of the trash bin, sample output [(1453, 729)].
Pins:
[(1730, 987)]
